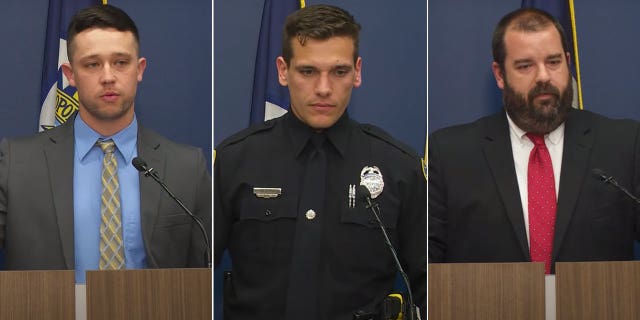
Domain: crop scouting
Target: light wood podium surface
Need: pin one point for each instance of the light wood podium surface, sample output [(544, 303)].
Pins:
[(598, 290), (486, 291), (149, 294), (37, 295)]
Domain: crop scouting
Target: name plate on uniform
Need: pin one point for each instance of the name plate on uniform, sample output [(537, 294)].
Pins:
[(267, 193)]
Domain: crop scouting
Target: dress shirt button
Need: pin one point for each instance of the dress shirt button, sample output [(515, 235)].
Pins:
[(310, 214)]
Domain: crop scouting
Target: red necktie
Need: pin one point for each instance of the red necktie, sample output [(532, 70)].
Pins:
[(542, 202)]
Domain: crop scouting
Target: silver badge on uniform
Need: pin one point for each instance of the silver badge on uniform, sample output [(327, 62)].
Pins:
[(371, 177)]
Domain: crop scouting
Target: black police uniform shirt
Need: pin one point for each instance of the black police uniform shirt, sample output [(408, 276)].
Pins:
[(356, 267)]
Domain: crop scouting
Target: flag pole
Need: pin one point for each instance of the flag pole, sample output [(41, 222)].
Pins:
[(574, 34)]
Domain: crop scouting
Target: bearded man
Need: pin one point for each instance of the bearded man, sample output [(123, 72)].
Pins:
[(519, 185)]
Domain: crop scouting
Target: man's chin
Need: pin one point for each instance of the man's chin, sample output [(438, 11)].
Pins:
[(546, 109), (321, 123), (545, 101), (108, 114)]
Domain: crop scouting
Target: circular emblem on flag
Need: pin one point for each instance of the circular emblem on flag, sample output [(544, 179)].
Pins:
[(371, 177)]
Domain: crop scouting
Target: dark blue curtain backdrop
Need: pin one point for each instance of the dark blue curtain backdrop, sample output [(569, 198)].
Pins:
[(462, 87), (174, 97), (393, 93)]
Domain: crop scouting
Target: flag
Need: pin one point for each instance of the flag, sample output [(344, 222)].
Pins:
[(59, 101), (425, 160), (563, 10), (270, 99)]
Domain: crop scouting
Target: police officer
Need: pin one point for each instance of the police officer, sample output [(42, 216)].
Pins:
[(302, 245)]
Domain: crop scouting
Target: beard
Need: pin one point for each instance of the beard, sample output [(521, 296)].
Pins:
[(539, 117)]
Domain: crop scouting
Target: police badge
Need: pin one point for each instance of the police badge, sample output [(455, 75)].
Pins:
[(371, 177)]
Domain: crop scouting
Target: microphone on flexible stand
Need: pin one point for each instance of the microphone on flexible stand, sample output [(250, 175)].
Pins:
[(364, 193), (141, 166), (609, 179)]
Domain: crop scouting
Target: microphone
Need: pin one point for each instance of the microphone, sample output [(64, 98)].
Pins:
[(142, 167), (364, 194), (609, 179)]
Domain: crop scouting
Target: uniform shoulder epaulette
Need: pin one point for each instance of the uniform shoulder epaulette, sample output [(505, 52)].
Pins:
[(386, 137), (241, 135)]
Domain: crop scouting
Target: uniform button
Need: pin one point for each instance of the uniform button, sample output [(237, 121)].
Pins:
[(267, 213), (310, 214)]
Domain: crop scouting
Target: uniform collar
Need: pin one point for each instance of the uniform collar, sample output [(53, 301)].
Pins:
[(337, 135)]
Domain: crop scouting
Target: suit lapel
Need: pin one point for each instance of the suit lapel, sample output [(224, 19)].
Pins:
[(578, 141), (499, 156), (150, 192), (59, 152)]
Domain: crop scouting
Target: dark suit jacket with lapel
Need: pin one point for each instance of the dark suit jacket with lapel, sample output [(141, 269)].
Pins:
[(475, 212), (36, 201)]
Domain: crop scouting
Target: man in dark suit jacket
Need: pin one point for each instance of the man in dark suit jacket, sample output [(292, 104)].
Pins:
[(479, 199), (38, 196)]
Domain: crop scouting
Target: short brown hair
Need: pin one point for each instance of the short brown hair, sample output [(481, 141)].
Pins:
[(319, 22), (102, 17), (527, 20)]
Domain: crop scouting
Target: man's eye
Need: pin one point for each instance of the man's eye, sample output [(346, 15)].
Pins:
[(341, 72), (307, 72)]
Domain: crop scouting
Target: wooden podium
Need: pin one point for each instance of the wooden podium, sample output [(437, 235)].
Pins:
[(37, 295), (598, 290), (126, 294), (486, 291), (149, 294)]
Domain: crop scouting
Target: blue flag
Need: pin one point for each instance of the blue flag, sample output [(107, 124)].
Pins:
[(563, 10), (270, 99), (59, 101)]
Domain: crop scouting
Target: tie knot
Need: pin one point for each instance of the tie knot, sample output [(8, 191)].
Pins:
[(318, 139), (107, 146), (537, 139)]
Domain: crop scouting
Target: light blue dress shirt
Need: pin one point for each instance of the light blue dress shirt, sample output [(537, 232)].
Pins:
[(87, 188)]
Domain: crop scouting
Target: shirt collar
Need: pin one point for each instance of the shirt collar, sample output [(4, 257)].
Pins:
[(125, 139), (300, 133), (553, 137), (338, 134)]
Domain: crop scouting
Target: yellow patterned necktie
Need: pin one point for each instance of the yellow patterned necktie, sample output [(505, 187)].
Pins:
[(111, 248)]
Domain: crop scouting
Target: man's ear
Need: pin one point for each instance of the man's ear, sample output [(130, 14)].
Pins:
[(357, 81), (68, 72), (142, 65), (282, 71), (497, 73)]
